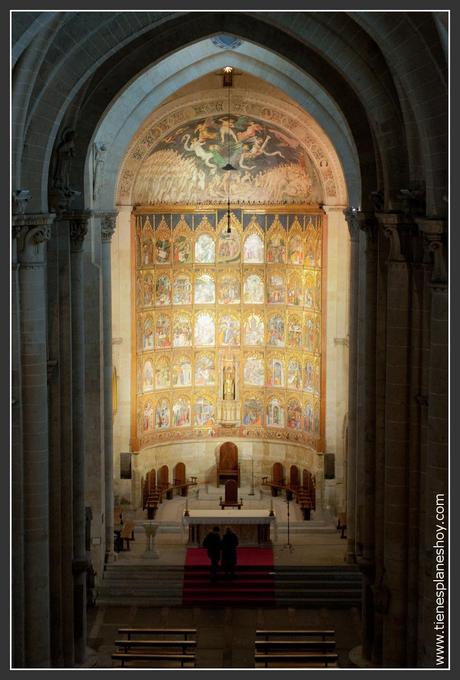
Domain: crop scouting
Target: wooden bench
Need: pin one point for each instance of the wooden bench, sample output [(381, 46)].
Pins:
[(157, 631), (296, 652), (298, 659), (183, 645), (267, 646), (284, 632), (182, 658)]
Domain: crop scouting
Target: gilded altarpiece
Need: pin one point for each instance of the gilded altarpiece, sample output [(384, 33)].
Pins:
[(228, 330)]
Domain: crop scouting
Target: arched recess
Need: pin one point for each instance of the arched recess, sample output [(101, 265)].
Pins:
[(96, 93), (274, 107), (151, 89)]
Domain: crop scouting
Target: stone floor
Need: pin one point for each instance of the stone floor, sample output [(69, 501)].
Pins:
[(225, 637)]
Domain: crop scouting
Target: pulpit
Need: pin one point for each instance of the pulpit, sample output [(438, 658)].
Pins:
[(231, 496), (228, 467)]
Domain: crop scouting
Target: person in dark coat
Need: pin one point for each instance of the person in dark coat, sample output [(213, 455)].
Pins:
[(229, 544), (213, 545)]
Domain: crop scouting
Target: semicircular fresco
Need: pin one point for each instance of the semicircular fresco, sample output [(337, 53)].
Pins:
[(271, 166)]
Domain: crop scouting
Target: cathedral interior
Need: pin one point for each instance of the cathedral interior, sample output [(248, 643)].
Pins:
[(229, 305)]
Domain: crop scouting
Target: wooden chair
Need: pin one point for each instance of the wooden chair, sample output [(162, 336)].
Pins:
[(231, 496), (228, 467), (180, 480), (294, 477), (151, 496), (277, 478), (308, 485), (163, 481), (148, 486), (127, 533)]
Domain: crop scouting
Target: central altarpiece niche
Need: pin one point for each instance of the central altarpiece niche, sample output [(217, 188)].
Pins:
[(228, 327)]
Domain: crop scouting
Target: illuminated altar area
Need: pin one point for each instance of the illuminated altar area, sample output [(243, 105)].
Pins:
[(230, 336)]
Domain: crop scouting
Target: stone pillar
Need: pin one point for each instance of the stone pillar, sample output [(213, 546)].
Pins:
[(108, 224), (32, 284), (417, 400), (17, 507), (437, 446), (122, 345), (366, 420), (379, 592), (94, 393), (396, 440), (60, 444), (351, 467), (335, 356), (78, 229)]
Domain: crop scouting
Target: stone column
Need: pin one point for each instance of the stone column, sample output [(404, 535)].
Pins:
[(378, 589), (396, 439), (417, 400), (353, 226), (336, 351), (17, 514), (60, 442), (437, 446), (78, 229), (108, 224), (366, 442), (32, 284)]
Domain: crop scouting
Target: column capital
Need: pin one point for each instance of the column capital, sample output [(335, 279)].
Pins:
[(434, 233), (368, 224), (351, 216), (32, 232), (108, 224), (78, 221), (333, 209), (396, 228)]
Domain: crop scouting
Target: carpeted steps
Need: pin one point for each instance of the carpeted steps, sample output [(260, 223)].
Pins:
[(253, 584), (147, 585)]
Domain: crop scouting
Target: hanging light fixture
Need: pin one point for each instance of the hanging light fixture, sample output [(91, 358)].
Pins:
[(228, 167)]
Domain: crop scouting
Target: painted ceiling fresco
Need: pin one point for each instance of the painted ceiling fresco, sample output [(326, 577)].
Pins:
[(187, 165)]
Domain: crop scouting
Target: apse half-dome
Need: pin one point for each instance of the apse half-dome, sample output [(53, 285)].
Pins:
[(187, 165)]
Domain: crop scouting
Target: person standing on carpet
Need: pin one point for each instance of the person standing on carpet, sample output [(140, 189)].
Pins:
[(213, 545), (229, 545)]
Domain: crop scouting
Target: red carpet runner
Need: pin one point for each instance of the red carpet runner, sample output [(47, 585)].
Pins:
[(253, 584)]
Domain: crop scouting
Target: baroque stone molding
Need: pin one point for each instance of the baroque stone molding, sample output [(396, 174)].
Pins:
[(434, 232)]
